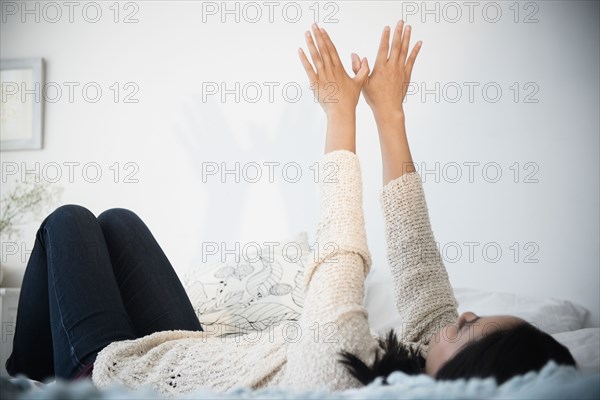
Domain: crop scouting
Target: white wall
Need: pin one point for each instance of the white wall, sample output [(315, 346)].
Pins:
[(170, 53)]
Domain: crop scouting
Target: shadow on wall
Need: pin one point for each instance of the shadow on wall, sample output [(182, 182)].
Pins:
[(296, 145)]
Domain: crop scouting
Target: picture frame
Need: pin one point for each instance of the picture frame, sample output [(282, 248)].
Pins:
[(21, 108)]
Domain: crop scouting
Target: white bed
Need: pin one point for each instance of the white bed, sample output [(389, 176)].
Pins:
[(560, 318), (563, 319)]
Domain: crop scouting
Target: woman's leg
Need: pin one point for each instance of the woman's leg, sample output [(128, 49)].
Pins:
[(32, 342), (81, 299), (84, 299), (151, 290)]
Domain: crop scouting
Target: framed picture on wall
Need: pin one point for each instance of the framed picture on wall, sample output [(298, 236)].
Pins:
[(21, 100)]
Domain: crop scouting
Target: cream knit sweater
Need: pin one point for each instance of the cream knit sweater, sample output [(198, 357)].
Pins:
[(334, 317)]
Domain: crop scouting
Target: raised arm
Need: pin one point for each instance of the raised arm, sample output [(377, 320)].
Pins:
[(336, 92), (334, 317), (422, 289), (384, 91)]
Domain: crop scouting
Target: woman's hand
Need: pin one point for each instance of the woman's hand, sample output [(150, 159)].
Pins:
[(337, 92), (386, 87), (384, 91)]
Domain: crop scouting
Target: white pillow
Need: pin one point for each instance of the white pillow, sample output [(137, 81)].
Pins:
[(584, 345), (263, 289), (548, 314)]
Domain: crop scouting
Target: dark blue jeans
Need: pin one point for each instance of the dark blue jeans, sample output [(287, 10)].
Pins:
[(89, 282)]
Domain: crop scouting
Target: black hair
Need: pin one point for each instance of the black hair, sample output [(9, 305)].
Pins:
[(502, 354), (508, 352), (396, 357)]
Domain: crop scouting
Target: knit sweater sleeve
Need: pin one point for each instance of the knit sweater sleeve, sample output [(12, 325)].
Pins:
[(422, 291), (341, 227), (334, 317)]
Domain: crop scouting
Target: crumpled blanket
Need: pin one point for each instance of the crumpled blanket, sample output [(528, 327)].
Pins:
[(552, 382)]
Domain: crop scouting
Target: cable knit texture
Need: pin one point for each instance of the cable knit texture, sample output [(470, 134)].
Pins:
[(304, 354)]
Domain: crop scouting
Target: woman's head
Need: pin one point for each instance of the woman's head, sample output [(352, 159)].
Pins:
[(495, 346), (492, 346), (469, 328)]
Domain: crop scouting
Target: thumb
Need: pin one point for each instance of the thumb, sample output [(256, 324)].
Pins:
[(363, 72), (355, 63)]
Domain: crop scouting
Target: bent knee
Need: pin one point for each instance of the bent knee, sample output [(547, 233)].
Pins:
[(68, 213), (119, 214)]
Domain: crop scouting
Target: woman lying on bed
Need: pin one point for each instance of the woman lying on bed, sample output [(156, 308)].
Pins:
[(100, 298)]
